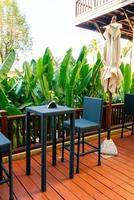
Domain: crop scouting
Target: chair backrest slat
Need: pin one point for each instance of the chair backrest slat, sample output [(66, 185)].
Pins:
[(129, 104), (93, 109)]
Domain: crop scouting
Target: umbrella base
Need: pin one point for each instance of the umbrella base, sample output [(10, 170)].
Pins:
[(109, 148)]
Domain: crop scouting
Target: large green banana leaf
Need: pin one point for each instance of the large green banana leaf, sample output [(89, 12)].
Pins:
[(75, 76), (122, 67), (64, 67), (7, 64), (48, 65), (132, 84), (5, 105), (39, 77), (45, 73), (127, 78), (12, 110), (39, 68), (44, 86), (3, 99), (30, 84), (83, 83), (79, 63), (94, 87)]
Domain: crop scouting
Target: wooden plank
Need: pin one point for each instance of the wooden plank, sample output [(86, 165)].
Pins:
[(32, 189), (93, 181), (69, 188), (50, 193), (82, 188)]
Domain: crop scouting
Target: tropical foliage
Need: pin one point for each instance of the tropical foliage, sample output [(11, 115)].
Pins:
[(41, 81), (66, 81), (7, 94)]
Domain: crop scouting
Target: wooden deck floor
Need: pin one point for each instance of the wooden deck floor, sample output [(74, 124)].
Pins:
[(113, 180)]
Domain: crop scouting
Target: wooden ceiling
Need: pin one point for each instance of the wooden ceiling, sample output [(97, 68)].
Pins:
[(124, 15)]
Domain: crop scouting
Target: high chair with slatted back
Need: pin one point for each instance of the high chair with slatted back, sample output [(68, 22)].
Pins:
[(90, 122)]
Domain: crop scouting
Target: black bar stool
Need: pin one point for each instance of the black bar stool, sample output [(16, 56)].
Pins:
[(5, 148)]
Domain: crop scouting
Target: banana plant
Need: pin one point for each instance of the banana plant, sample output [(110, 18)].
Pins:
[(6, 65), (64, 69), (70, 75), (30, 85), (6, 85), (34, 85), (126, 71), (94, 87), (44, 74)]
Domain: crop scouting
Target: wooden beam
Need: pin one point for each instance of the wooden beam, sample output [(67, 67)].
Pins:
[(98, 28), (128, 19)]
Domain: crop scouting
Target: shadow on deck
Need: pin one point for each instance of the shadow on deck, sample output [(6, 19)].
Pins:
[(113, 180)]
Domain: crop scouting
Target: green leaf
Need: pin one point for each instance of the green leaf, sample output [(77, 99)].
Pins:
[(127, 78), (39, 68), (19, 87), (79, 63), (44, 87), (64, 67), (33, 65), (25, 104), (122, 68), (48, 66), (83, 84), (132, 84), (69, 96), (11, 110), (3, 99), (8, 62)]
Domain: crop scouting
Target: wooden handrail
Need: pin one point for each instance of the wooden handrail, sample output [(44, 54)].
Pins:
[(14, 126)]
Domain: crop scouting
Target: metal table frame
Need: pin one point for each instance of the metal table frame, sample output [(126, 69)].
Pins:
[(44, 113)]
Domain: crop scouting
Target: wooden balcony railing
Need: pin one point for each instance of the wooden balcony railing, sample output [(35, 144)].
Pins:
[(14, 126), (82, 6)]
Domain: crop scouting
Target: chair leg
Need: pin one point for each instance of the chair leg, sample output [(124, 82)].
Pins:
[(78, 152), (63, 141), (82, 142), (99, 146), (1, 176), (10, 176)]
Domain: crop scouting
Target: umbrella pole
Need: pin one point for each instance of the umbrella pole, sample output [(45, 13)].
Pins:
[(109, 116), (107, 146)]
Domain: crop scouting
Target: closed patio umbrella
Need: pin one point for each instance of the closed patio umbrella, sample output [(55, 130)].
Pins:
[(111, 75)]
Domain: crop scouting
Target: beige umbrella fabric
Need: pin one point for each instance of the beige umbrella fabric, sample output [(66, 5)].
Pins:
[(111, 76)]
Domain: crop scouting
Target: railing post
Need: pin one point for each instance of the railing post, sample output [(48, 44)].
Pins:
[(107, 113), (76, 8), (3, 122), (92, 4)]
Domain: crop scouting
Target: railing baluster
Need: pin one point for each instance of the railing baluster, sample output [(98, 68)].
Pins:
[(34, 128), (10, 133), (17, 132), (23, 131), (82, 6)]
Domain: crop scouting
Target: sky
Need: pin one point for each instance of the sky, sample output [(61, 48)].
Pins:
[(51, 25)]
